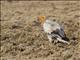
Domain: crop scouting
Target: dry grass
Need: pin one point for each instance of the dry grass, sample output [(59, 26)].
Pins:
[(21, 40)]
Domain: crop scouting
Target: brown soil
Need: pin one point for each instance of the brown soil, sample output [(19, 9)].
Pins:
[(21, 40)]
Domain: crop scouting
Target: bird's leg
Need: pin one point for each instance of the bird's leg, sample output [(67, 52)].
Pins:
[(50, 38), (55, 38)]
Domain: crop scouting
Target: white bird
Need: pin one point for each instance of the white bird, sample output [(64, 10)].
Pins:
[(53, 30)]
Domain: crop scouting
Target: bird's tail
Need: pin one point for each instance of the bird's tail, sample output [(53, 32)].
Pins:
[(65, 38), (61, 40)]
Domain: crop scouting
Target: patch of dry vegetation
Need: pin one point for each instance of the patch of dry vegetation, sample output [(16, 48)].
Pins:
[(21, 40)]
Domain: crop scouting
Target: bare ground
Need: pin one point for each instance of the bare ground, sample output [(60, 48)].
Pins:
[(21, 40)]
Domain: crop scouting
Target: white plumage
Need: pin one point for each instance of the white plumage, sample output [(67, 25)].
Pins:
[(53, 30)]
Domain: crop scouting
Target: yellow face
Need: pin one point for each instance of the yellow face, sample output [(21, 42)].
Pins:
[(41, 19)]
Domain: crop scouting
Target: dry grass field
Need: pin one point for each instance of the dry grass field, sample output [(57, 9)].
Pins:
[(22, 40)]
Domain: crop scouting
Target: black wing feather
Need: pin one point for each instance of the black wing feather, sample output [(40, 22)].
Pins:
[(61, 33)]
